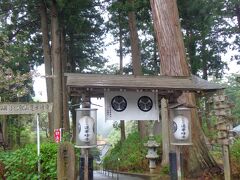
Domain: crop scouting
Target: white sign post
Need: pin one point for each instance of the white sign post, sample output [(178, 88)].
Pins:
[(28, 108), (38, 145)]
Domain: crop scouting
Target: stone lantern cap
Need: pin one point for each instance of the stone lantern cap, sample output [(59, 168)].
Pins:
[(152, 156), (151, 142)]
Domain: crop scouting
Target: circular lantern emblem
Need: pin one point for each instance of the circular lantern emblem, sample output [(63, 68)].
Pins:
[(145, 103), (174, 127), (119, 103), (181, 129)]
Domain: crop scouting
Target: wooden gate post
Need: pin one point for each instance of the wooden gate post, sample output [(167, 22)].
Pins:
[(165, 132), (66, 162)]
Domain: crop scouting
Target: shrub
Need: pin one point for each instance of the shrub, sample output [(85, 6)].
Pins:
[(165, 170), (23, 163), (235, 158), (129, 155)]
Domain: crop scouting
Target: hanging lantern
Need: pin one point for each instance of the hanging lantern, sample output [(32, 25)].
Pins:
[(180, 126), (86, 131)]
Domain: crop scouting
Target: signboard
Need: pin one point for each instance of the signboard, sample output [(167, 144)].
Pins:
[(57, 135), (25, 108), (121, 105)]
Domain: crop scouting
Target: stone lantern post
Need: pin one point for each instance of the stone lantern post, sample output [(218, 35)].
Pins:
[(152, 155)]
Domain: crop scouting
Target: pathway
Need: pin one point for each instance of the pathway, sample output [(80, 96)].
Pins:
[(99, 175)]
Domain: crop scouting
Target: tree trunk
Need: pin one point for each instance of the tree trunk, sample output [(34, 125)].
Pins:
[(136, 57), (10, 140), (66, 124), (47, 60), (122, 123), (57, 86), (173, 63), (204, 60), (75, 100), (237, 10), (120, 45), (155, 56), (5, 129), (18, 131)]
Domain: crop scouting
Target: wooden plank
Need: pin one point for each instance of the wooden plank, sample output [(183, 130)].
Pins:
[(222, 105), (222, 134), (225, 141), (130, 81), (224, 126), (220, 98), (126, 82), (24, 108), (222, 112), (226, 162)]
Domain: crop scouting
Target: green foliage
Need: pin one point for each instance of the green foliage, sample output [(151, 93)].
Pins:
[(23, 163), (165, 170), (14, 85), (202, 25), (210, 133), (114, 135), (84, 29), (48, 160), (129, 155), (235, 158), (233, 92), (119, 28), (235, 150)]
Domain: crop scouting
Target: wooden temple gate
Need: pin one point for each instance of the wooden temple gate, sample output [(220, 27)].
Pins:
[(168, 89)]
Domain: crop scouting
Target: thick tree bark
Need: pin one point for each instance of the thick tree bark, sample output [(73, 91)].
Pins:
[(5, 128), (173, 63), (120, 46), (136, 56), (156, 69), (66, 124), (47, 60), (57, 76), (18, 131), (169, 38), (122, 123), (237, 10), (75, 100), (204, 61)]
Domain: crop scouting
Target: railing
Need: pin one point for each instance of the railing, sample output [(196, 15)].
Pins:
[(110, 173), (113, 173)]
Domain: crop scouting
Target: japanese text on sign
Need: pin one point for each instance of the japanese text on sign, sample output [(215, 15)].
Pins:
[(25, 108)]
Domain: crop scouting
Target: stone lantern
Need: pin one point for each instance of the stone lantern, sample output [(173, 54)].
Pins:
[(152, 152)]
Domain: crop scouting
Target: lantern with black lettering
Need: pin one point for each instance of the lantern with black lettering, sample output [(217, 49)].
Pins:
[(86, 122), (180, 125)]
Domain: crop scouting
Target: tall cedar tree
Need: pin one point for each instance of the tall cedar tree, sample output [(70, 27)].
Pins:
[(173, 63)]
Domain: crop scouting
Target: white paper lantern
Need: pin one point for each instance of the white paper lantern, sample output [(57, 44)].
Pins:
[(86, 129), (181, 127)]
